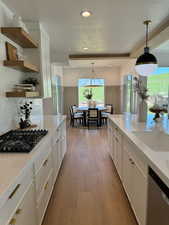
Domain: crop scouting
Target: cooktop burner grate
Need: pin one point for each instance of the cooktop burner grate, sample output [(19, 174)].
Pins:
[(20, 141)]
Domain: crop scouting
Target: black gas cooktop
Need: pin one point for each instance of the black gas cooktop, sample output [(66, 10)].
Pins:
[(20, 141)]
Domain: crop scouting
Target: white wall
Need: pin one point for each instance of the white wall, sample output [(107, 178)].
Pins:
[(9, 77), (72, 75)]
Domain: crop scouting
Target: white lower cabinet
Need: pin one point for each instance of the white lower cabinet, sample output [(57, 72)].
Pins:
[(45, 197), (131, 169), (26, 213), (135, 183), (127, 173), (26, 201)]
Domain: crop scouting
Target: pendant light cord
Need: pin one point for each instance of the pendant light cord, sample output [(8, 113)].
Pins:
[(146, 35), (146, 49)]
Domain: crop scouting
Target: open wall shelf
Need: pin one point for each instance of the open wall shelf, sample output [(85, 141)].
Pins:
[(19, 36), (21, 66), (27, 94)]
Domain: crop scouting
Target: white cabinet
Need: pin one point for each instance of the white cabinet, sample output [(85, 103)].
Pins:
[(115, 147), (139, 194), (45, 195), (59, 148), (45, 64), (26, 201), (135, 183), (127, 173), (25, 213), (131, 169)]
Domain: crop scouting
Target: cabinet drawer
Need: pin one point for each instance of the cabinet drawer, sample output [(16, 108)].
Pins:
[(25, 209), (15, 194), (45, 197), (43, 172), (135, 155), (43, 154)]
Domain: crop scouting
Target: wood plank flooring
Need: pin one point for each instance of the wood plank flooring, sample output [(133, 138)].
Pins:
[(88, 190)]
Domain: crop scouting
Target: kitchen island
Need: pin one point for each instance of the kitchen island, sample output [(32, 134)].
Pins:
[(134, 148), (27, 179)]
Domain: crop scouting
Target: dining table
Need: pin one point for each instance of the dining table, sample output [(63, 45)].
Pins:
[(85, 109)]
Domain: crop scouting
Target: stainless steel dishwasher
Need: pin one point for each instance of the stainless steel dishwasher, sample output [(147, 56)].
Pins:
[(158, 201)]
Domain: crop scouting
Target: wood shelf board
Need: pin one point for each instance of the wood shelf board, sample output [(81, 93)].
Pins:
[(19, 36), (21, 65), (20, 94)]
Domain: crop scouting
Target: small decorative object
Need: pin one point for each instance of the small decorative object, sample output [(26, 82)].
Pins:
[(141, 90), (18, 22), (158, 109), (11, 52), (25, 110)]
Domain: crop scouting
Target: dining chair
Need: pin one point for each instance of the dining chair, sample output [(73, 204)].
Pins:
[(75, 117), (104, 115), (93, 116)]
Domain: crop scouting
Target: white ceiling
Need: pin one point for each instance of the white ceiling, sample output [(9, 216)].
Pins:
[(115, 26)]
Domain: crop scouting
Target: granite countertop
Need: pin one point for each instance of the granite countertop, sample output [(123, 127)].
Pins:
[(151, 139), (12, 165)]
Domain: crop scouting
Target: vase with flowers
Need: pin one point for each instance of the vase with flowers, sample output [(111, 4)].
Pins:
[(88, 95)]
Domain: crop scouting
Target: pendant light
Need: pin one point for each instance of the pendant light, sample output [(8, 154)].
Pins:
[(146, 64), (92, 80)]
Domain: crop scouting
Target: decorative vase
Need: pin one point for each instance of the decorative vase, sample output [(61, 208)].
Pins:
[(142, 111), (89, 103)]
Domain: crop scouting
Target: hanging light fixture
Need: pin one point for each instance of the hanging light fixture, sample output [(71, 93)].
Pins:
[(146, 64), (92, 80)]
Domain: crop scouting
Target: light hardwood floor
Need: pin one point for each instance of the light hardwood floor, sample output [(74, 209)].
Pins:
[(88, 190)]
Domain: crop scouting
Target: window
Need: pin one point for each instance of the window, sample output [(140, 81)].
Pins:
[(91, 86), (158, 86)]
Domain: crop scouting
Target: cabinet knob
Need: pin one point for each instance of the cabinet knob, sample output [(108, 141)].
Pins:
[(12, 222), (18, 211), (46, 185)]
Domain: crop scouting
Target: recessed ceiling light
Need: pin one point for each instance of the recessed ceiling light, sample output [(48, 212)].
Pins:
[(85, 48), (85, 13)]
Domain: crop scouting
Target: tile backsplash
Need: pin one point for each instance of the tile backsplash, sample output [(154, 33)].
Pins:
[(9, 111)]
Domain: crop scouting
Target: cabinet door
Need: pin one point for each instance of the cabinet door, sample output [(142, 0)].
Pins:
[(45, 64), (139, 194), (115, 152), (119, 158), (26, 212), (127, 174)]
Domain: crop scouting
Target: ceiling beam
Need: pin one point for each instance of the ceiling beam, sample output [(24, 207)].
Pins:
[(98, 56), (156, 38)]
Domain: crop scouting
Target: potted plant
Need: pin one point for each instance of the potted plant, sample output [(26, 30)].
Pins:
[(25, 110)]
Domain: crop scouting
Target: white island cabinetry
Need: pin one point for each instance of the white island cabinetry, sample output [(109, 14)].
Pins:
[(131, 169)]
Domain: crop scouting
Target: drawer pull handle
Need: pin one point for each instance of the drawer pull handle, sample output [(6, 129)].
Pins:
[(12, 222), (46, 185), (18, 211), (45, 162), (14, 191)]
